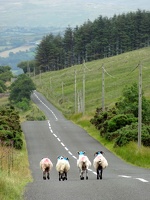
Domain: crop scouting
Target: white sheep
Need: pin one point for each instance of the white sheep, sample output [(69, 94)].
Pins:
[(99, 163), (83, 163), (46, 166), (62, 167)]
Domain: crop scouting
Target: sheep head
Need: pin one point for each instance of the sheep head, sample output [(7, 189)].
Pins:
[(81, 152), (98, 153), (60, 157)]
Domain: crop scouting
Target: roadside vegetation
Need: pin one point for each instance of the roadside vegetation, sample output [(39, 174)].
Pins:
[(14, 165)]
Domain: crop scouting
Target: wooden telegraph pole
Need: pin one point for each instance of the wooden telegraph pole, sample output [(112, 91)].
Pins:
[(103, 89), (75, 91), (83, 100), (140, 106)]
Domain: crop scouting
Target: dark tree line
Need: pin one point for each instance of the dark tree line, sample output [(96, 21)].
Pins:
[(104, 37)]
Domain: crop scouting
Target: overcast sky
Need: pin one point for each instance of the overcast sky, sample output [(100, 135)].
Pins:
[(63, 12)]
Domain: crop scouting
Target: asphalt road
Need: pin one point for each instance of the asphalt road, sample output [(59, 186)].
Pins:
[(58, 136)]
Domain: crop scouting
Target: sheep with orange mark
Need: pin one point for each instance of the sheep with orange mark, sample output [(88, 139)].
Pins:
[(46, 166)]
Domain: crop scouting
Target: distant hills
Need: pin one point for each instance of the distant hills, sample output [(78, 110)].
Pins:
[(62, 13), (25, 21)]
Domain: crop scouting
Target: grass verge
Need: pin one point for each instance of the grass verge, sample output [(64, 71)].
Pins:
[(130, 153), (14, 180)]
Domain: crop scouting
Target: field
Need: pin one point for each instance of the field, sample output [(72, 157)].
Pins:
[(15, 50), (80, 88)]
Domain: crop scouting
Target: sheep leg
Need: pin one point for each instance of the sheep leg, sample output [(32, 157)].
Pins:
[(86, 174), (97, 173), (101, 171), (59, 176), (81, 175), (48, 175), (44, 175), (63, 176), (66, 175)]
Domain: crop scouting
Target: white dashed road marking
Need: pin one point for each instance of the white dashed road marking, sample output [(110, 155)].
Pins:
[(140, 179), (50, 128)]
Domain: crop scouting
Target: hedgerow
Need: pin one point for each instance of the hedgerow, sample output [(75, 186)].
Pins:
[(10, 129)]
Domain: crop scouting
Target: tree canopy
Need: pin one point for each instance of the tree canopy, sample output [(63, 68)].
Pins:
[(5, 73), (104, 37), (21, 88)]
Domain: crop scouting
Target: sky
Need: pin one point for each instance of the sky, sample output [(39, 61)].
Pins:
[(63, 13)]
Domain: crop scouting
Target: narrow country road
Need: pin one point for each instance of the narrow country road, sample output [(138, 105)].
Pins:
[(58, 136)]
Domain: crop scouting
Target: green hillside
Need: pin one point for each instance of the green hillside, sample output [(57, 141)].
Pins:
[(59, 86), (120, 71)]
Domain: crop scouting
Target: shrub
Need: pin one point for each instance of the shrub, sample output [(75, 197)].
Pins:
[(120, 121), (10, 128), (2, 86), (130, 133), (125, 137), (24, 104), (101, 118), (1, 90), (6, 135), (18, 143)]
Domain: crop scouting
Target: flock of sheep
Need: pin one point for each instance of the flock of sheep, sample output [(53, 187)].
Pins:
[(83, 163)]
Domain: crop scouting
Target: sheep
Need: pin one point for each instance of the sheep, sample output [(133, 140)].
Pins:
[(99, 163), (83, 163), (46, 166), (62, 167)]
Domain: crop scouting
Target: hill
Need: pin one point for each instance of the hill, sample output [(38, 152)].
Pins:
[(24, 22), (72, 88), (69, 89)]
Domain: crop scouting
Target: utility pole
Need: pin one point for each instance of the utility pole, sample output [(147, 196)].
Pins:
[(50, 83), (83, 108), (75, 90), (140, 106), (34, 72), (40, 76), (103, 89), (28, 67), (62, 92)]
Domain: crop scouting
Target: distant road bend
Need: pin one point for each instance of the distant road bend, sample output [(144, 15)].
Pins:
[(59, 136)]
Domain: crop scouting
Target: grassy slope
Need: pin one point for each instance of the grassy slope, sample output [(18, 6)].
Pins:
[(121, 70), (12, 183), (58, 86)]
